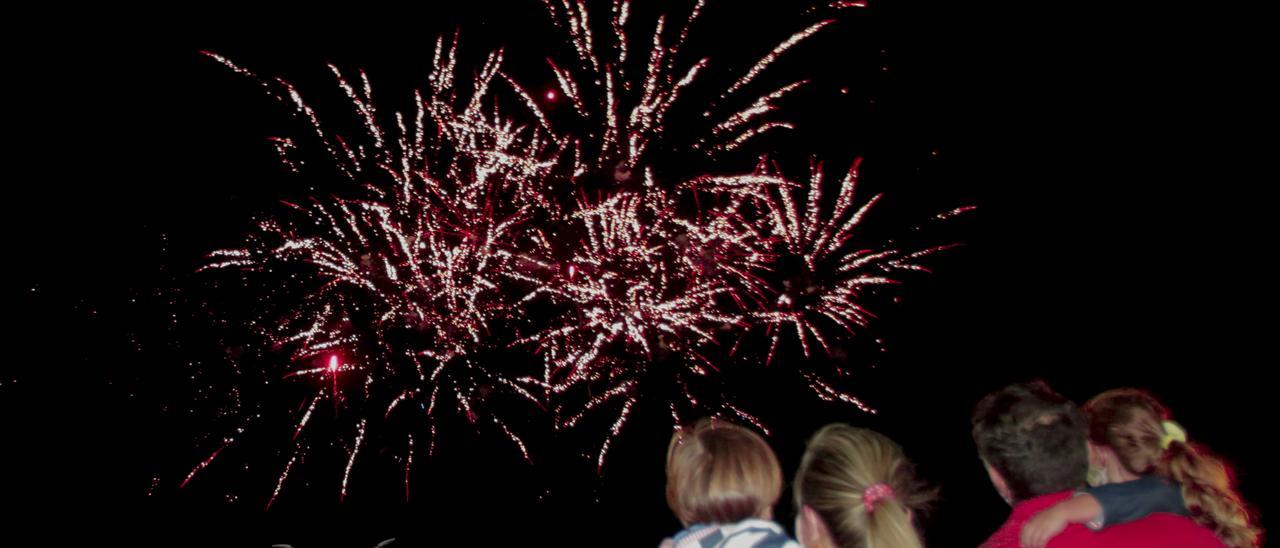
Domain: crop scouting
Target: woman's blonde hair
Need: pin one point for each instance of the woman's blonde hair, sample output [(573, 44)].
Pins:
[(719, 472), (840, 464), (1131, 423)]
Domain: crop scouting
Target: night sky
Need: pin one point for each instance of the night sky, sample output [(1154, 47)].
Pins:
[(1117, 241)]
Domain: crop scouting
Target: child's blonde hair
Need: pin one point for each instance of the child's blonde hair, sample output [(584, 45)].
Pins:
[(719, 472), (840, 465), (1133, 424)]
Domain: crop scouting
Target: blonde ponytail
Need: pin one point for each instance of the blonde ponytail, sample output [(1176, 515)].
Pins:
[(1209, 495), (889, 526), (862, 487)]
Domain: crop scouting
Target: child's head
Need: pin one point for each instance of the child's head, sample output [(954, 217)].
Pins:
[(1128, 423), (855, 488), (1133, 428), (719, 472)]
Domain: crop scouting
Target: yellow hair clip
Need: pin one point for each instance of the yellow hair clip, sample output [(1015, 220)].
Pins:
[(1172, 432)]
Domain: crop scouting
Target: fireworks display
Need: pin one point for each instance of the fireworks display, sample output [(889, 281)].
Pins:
[(480, 225)]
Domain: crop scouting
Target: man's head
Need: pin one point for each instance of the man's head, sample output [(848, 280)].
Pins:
[(1032, 440)]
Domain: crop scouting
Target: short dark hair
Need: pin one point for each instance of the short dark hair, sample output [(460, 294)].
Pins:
[(1033, 437)]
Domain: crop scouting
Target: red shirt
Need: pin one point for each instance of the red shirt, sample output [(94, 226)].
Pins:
[(1154, 530)]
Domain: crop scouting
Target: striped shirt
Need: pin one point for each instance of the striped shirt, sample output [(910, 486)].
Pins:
[(751, 533)]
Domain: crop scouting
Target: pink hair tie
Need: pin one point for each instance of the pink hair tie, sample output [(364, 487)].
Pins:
[(874, 494)]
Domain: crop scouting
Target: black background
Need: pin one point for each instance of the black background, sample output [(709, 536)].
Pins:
[(1118, 242)]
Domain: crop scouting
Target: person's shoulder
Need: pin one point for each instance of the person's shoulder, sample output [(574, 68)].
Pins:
[(1164, 530), (1180, 530), (756, 533), (1007, 536), (691, 537)]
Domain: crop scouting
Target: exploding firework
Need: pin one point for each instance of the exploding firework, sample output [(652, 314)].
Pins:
[(627, 111), (408, 277), (641, 295), (391, 297), (830, 272), (646, 288)]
